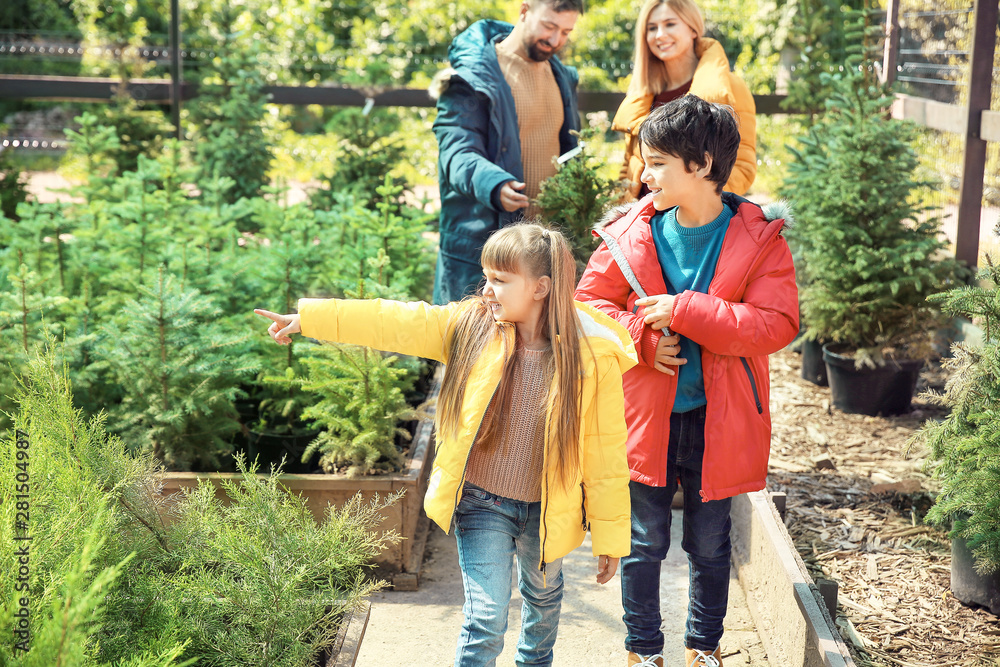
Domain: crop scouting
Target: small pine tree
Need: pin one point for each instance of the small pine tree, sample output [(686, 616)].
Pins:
[(576, 197), (178, 367), (369, 151), (868, 255), (361, 403), (230, 112), (13, 189), (96, 143), (965, 447), (829, 35)]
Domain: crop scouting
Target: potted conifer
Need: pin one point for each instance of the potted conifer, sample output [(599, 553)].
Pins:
[(577, 195), (870, 253), (965, 446)]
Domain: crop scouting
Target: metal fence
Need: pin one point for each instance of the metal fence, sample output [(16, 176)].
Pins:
[(946, 61), (942, 55)]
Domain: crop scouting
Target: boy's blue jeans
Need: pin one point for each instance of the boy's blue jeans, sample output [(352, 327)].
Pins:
[(705, 539), (491, 530)]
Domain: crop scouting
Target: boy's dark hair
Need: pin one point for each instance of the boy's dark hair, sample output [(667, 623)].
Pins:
[(562, 5), (688, 128)]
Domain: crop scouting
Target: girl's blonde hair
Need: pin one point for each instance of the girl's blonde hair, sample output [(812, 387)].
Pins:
[(532, 250), (649, 74)]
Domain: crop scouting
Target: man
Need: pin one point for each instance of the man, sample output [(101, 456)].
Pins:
[(506, 107)]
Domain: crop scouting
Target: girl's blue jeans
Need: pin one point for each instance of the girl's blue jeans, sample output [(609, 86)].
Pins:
[(491, 530), (705, 540)]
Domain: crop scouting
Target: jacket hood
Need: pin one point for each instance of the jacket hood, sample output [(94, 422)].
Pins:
[(465, 55), (599, 327)]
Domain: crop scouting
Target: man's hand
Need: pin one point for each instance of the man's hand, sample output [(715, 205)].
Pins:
[(665, 355), (282, 326), (511, 198), (606, 568), (657, 310)]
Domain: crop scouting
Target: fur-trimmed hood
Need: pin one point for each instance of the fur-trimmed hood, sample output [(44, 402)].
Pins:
[(472, 57), (440, 82)]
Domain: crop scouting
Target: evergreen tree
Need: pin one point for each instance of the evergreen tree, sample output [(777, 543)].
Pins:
[(230, 112), (369, 151), (13, 190), (868, 255), (361, 403), (575, 198), (177, 366), (829, 36), (965, 447)]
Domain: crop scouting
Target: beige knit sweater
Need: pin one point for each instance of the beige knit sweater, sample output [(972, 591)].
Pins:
[(512, 465), (539, 115)]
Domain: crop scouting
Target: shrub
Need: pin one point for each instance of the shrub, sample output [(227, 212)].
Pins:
[(256, 582), (576, 197), (965, 447)]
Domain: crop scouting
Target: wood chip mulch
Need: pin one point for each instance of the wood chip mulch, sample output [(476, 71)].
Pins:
[(856, 499)]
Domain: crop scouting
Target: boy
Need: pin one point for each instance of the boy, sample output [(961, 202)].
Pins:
[(722, 297)]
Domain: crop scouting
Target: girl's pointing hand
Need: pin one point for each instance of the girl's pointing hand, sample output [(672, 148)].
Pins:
[(282, 326)]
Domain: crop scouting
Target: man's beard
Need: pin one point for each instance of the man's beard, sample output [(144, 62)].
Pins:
[(539, 55)]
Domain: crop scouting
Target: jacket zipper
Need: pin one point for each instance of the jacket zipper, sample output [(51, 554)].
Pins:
[(545, 489), (545, 493), (753, 385)]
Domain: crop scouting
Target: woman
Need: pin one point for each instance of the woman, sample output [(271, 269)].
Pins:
[(672, 59)]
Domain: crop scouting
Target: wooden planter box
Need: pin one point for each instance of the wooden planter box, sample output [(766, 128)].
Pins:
[(399, 563)]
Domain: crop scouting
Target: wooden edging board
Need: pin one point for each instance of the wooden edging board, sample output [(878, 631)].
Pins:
[(785, 604), (348, 643)]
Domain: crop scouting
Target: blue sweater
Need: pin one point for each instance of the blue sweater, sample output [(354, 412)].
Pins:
[(687, 258)]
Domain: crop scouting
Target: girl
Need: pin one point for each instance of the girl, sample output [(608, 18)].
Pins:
[(530, 427), (673, 58)]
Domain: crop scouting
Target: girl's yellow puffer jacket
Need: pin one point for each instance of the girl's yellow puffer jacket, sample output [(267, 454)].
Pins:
[(712, 82), (599, 499)]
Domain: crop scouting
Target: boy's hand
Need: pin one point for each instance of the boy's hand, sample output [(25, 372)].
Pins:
[(606, 568), (657, 310), (665, 355), (282, 326)]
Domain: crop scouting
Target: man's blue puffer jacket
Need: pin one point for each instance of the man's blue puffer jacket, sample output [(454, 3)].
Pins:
[(479, 149)]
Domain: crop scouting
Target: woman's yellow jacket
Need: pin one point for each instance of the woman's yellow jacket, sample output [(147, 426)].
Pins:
[(712, 82), (598, 499)]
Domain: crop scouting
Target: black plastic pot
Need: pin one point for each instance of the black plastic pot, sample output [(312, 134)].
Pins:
[(269, 448), (813, 366), (968, 585), (885, 390)]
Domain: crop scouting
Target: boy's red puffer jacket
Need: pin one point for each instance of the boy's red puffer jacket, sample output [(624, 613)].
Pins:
[(751, 311)]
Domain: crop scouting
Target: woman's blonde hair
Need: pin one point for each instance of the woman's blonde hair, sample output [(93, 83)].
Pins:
[(532, 250), (649, 75)]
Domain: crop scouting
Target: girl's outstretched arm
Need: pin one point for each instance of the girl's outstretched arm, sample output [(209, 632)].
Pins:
[(415, 328), (282, 326)]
